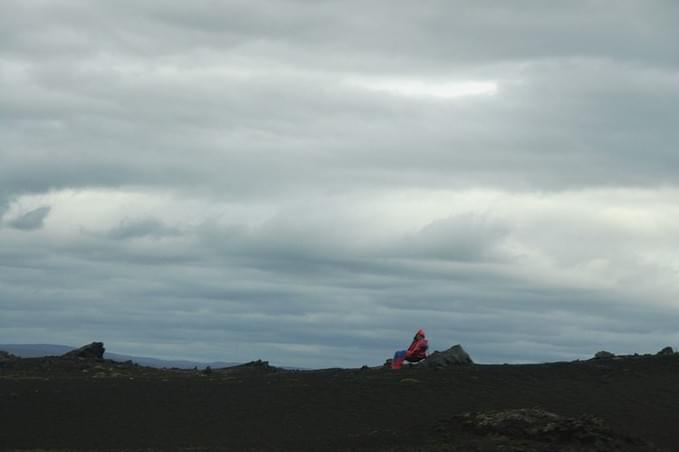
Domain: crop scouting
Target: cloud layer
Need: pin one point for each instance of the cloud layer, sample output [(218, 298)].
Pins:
[(306, 184)]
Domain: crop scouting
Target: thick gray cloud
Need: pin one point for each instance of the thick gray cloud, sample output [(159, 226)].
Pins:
[(307, 182), (144, 227), (33, 219)]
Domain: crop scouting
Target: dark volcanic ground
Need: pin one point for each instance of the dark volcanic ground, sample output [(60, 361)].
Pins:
[(58, 403)]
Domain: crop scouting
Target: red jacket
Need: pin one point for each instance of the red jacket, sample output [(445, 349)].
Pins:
[(418, 349)]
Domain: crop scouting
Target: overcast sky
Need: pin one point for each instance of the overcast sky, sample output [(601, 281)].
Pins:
[(310, 182)]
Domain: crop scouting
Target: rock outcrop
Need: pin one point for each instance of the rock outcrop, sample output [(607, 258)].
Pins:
[(95, 350), (253, 367), (454, 356), (667, 351), (603, 354)]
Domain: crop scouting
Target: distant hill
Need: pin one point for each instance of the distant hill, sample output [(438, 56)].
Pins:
[(39, 350)]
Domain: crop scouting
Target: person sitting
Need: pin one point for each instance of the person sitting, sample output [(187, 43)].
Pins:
[(415, 353)]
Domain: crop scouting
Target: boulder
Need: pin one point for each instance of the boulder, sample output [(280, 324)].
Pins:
[(454, 356), (603, 354), (667, 351), (95, 350)]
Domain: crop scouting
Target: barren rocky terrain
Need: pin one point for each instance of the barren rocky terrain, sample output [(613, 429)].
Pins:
[(82, 402)]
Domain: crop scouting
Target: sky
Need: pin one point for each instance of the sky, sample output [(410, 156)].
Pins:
[(311, 182)]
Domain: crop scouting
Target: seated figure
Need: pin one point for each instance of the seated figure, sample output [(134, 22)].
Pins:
[(416, 352)]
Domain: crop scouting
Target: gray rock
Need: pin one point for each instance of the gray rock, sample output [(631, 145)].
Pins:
[(604, 355), (667, 351), (95, 350), (454, 356)]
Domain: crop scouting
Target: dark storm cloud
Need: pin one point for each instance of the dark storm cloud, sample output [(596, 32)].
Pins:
[(437, 34), (292, 177)]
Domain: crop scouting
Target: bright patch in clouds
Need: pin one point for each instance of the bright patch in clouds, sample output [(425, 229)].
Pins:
[(426, 88)]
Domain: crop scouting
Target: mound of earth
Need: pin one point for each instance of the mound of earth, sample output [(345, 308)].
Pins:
[(537, 429), (4, 356)]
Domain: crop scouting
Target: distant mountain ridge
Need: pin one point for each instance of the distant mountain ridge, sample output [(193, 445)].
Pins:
[(40, 350)]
